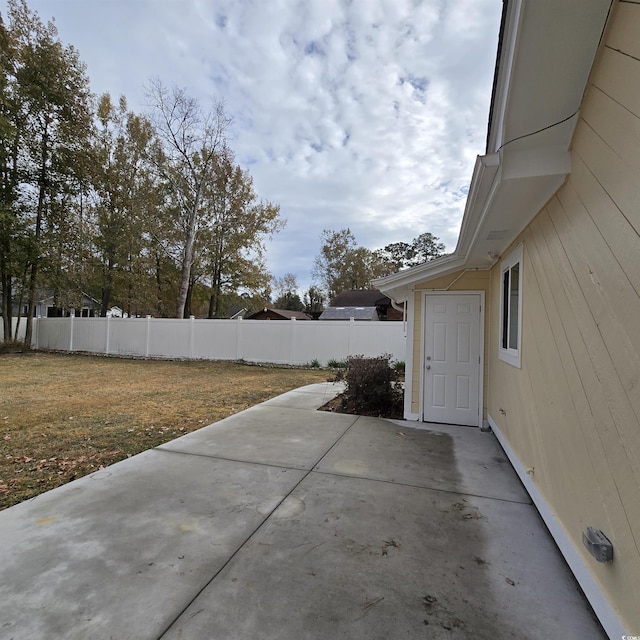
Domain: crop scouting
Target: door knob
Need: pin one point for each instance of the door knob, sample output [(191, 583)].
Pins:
[(428, 366)]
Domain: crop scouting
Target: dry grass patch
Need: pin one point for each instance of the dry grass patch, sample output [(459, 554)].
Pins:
[(64, 416)]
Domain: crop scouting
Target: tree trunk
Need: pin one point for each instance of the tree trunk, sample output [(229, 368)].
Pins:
[(188, 308), (35, 257), (107, 289), (7, 309), (159, 303), (187, 261)]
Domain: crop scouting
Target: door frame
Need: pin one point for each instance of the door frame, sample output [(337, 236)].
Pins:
[(423, 333)]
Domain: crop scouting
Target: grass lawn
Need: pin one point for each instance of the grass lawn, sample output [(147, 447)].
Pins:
[(64, 416)]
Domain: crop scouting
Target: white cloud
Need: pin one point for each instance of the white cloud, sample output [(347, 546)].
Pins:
[(359, 113)]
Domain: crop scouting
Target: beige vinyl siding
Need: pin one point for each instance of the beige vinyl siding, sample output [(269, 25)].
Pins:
[(572, 412), (472, 280)]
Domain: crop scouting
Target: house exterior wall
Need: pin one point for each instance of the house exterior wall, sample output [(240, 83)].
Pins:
[(571, 413), (474, 280)]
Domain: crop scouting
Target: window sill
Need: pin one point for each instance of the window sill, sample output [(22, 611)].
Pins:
[(510, 357)]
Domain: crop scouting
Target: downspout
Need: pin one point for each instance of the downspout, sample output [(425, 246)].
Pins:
[(402, 309)]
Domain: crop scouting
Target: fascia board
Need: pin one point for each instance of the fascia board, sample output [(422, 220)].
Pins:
[(501, 92), (486, 177), (398, 285)]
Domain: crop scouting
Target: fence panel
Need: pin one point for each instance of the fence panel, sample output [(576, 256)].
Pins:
[(270, 341), (88, 333), (324, 342), (385, 337), (168, 337), (267, 341), (125, 337), (55, 335), (22, 328), (215, 339)]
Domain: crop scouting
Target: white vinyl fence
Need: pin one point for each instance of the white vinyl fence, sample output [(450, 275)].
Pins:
[(270, 341), (21, 329)]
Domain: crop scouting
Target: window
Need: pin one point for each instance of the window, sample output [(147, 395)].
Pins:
[(511, 308)]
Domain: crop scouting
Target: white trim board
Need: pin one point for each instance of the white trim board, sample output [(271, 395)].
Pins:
[(601, 606)]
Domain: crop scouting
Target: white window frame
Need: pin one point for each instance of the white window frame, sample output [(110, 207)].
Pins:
[(510, 355)]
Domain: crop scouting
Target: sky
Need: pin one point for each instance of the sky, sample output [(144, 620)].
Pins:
[(366, 114)]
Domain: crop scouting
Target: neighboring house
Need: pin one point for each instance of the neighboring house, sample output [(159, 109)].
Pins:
[(46, 308), (277, 314), (531, 325), (361, 304)]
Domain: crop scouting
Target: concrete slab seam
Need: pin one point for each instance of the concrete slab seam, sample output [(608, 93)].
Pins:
[(527, 503), (164, 449), (255, 531)]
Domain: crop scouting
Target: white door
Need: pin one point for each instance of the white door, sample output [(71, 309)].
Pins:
[(452, 358)]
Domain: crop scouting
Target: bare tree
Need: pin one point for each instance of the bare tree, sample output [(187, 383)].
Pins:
[(191, 141)]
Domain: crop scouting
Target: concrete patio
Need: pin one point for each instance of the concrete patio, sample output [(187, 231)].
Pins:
[(283, 522)]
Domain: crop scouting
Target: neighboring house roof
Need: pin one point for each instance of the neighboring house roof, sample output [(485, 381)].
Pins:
[(235, 312), (346, 313), (545, 55), (278, 314), (360, 298), (86, 298)]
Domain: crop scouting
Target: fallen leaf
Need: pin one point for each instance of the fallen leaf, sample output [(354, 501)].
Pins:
[(510, 581)]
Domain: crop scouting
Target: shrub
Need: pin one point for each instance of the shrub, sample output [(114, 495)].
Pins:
[(372, 387), (337, 364), (314, 364)]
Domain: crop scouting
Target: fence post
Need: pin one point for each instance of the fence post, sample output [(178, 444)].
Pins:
[(106, 338), (71, 318), (35, 340), (292, 340), (191, 320), (146, 341), (239, 338)]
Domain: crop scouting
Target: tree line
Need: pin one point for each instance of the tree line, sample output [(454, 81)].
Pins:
[(342, 264), (147, 211), (150, 210)]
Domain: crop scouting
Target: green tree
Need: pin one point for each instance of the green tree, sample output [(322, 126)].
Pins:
[(12, 226), (289, 301), (314, 300), (286, 292), (49, 96), (125, 201), (402, 255), (234, 230), (343, 265)]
